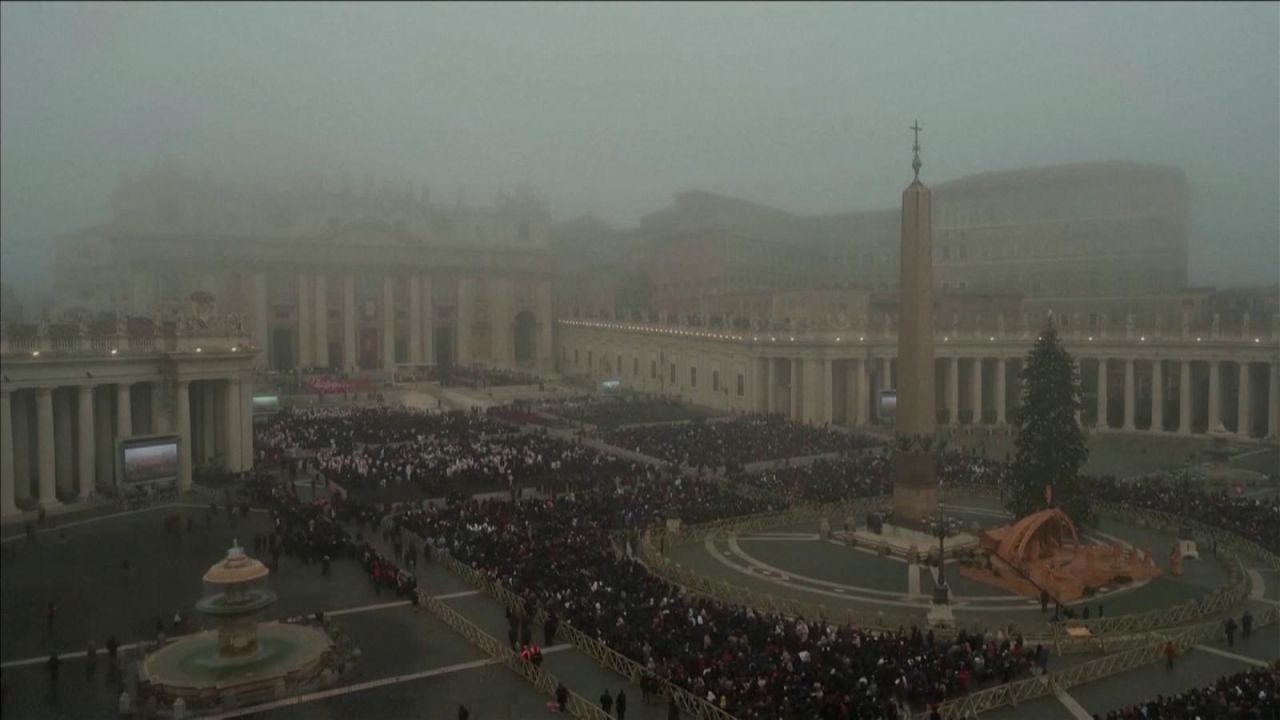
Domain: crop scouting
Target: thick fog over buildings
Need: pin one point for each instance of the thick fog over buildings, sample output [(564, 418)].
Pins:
[(626, 112)]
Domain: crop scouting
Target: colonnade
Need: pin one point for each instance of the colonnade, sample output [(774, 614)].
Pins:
[(1128, 387), (480, 326), (58, 442)]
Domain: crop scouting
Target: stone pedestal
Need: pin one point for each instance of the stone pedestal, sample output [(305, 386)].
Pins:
[(915, 491)]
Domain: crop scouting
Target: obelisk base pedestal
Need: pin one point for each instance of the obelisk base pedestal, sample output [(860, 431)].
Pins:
[(913, 505)]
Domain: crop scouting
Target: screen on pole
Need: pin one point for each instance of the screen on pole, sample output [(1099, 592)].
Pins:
[(149, 459), (888, 405)]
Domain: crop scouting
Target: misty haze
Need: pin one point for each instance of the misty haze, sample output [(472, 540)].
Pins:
[(754, 360)]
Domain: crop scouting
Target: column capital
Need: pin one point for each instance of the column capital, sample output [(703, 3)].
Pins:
[(44, 392)]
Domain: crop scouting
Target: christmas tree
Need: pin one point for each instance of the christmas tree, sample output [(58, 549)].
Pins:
[(1050, 444)]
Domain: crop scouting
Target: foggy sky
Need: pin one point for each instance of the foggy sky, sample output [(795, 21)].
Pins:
[(611, 109)]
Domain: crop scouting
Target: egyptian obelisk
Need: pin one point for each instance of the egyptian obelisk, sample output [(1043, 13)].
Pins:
[(915, 491)]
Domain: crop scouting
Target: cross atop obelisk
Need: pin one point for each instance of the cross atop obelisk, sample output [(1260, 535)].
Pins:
[(915, 149)]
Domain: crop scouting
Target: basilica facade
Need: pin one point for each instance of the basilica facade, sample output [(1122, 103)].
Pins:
[(323, 276)]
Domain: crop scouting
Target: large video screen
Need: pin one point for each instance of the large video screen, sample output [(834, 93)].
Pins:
[(149, 460), (888, 405)]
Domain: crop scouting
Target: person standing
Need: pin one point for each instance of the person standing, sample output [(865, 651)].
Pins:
[(90, 661), (1229, 626), (49, 614), (549, 629), (621, 704), (562, 696), (606, 703), (53, 664), (1246, 623), (1169, 653)]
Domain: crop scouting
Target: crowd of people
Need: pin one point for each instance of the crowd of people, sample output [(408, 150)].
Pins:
[(561, 552), (613, 411), (824, 480), (1249, 695), (478, 377), (557, 553), (741, 440), (369, 450), (1256, 518)]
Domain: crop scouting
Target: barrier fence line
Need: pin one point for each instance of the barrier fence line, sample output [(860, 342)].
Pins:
[(543, 681), (1019, 692), (608, 658)]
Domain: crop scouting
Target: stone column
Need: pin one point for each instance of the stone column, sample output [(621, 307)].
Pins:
[(428, 317), (1184, 397), (159, 422), (1273, 401), (1001, 380), (813, 391), (7, 504), (771, 386), (348, 321), (1157, 396), (21, 408), (1215, 395), (44, 441), (305, 342), (182, 405), (260, 330), (1128, 396), (247, 458), (88, 466), (851, 393), (1244, 409), (546, 325), (388, 323), (208, 421), (1102, 394), (828, 414), (886, 372), (124, 411), (63, 442), (797, 387), (864, 392), (462, 341), (500, 324), (975, 391), (104, 434), (322, 322), (231, 416), (953, 391), (415, 319)]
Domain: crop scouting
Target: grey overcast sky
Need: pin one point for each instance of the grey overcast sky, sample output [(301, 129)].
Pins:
[(612, 108)]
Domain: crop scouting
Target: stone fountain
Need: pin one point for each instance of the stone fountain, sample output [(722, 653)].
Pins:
[(240, 661)]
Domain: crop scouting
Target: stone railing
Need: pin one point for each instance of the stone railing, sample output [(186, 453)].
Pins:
[(1236, 333), (108, 345)]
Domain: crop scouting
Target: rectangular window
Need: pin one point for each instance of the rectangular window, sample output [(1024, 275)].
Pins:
[(635, 367), (741, 385), (673, 373), (575, 356), (591, 359), (715, 381), (653, 369), (619, 365), (693, 377), (946, 252)]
